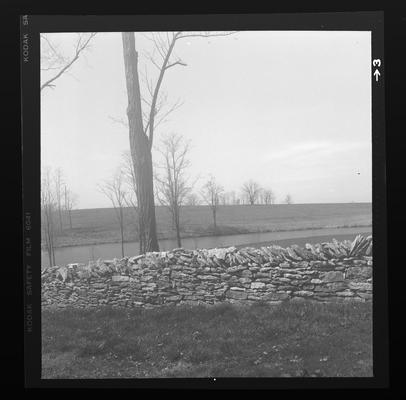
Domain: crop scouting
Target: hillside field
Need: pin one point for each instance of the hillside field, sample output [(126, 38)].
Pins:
[(95, 226)]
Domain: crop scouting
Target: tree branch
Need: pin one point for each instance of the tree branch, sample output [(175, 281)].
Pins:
[(80, 47), (156, 91), (179, 62)]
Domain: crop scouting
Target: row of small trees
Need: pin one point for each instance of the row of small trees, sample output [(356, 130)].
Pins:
[(251, 193), (174, 188), (57, 202)]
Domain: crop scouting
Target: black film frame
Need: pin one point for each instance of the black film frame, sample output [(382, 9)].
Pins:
[(30, 28)]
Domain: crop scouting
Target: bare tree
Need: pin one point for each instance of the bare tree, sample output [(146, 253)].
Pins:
[(268, 196), (224, 198), (173, 185), (48, 211), (288, 199), (233, 197), (211, 193), (54, 63), (115, 191), (142, 133), (251, 190), (70, 200), (192, 199)]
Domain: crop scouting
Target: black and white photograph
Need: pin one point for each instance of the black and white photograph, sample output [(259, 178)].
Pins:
[(206, 203)]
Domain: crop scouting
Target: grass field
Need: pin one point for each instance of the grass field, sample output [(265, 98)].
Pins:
[(286, 340), (95, 226)]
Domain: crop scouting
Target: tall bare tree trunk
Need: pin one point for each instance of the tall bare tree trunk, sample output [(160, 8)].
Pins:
[(140, 149)]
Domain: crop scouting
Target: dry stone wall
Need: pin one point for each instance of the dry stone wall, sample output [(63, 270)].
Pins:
[(326, 272)]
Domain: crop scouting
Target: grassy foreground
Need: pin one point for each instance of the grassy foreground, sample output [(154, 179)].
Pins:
[(262, 340)]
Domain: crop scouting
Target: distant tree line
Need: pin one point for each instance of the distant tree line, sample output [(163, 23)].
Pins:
[(174, 189)]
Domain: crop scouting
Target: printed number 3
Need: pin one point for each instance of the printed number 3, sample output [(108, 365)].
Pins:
[(376, 63)]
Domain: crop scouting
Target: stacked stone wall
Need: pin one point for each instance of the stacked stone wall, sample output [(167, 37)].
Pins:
[(326, 272)]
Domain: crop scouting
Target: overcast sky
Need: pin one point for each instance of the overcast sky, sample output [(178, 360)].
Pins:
[(291, 110)]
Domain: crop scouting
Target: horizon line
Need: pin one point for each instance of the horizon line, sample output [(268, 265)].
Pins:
[(230, 205)]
